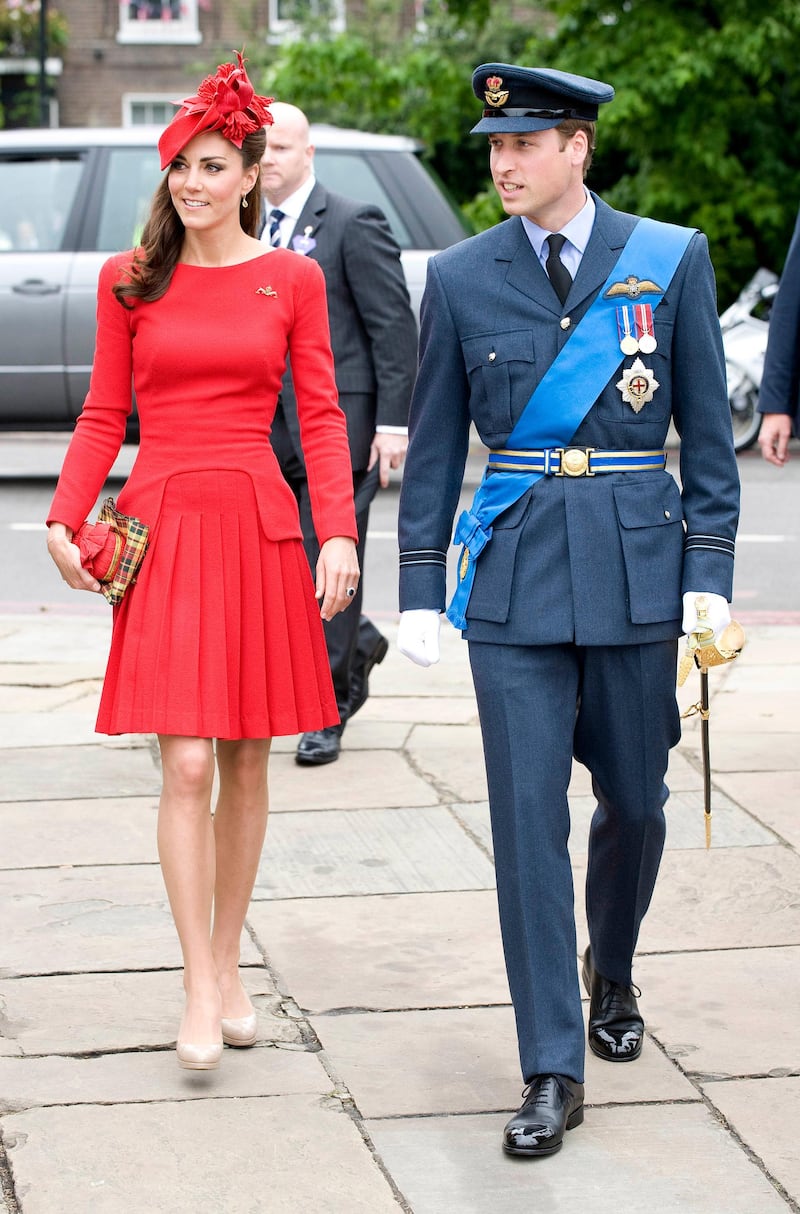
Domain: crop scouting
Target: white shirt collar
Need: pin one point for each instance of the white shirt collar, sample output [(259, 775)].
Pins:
[(577, 232), (292, 206)]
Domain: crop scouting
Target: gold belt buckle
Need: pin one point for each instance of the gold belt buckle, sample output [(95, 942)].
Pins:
[(574, 461)]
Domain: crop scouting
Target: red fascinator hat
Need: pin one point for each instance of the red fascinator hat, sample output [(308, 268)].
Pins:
[(225, 102)]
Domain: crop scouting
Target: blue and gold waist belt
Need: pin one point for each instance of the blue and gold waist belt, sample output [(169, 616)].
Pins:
[(574, 461)]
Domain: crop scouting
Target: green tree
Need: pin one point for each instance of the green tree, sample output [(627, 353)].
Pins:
[(417, 85), (700, 132), (701, 128)]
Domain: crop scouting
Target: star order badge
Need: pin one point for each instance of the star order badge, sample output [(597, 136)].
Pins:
[(637, 385)]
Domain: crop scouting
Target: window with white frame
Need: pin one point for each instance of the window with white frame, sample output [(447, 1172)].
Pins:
[(287, 17), (143, 108), (159, 21)]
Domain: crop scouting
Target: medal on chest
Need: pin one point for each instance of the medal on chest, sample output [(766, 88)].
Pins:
[(635, 329), (637, 385)]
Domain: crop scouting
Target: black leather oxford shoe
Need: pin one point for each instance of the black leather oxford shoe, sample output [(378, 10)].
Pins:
[(319, 746), (552, 1105), (616, 1029)]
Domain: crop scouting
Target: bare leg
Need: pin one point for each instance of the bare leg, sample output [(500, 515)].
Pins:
[(186, 851), (240, 823)]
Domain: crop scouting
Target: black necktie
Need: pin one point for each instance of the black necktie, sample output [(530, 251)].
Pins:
[(557, 272), (275, 218)]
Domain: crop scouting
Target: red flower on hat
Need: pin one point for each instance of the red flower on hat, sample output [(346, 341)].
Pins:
[(225, 102), (229, 98)]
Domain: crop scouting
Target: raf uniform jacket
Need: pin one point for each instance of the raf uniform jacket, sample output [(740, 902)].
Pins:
[(373, 330), (597, 560)]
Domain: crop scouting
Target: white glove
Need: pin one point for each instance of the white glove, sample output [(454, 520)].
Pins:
[(719, 613), (418, 636)]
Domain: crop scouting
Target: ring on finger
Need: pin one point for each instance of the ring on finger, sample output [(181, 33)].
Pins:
[(351, 592)]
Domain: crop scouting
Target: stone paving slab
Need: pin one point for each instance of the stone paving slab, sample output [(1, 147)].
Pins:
[(757, 712), (771, 797), (44, 729), (149, 1076), (49, 674), (279, 1155), (726, 898), (746, 751), (747, 678), (668, 1159), (369, 851), (726, 1013), (16, 699), (731, 825), (74, 772), (59, 640), (350, 783), (391, 951), (113, 830), (451, 757), (88, 919), (88, 1013), (464, 1060), (418, 710), (765, 1113)]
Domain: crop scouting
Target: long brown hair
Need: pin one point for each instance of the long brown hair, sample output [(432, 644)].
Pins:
[(154, 261)]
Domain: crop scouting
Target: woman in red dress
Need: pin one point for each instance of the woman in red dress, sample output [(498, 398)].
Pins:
[(218, 645)]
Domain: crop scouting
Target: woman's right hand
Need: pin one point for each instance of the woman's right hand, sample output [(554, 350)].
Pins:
[(68, 558)]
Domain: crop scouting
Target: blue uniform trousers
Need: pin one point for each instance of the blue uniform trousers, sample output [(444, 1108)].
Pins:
[(614, 709)]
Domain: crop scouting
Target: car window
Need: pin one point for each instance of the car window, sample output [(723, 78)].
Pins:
[(351, 174), (132, 177), (36, 196)]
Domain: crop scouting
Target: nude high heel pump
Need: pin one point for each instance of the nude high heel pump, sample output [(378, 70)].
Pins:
[(241, 1031), (199, 1057)]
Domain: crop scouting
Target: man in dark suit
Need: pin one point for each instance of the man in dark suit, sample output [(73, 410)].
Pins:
[(570, 335), (374, 341), (779, 394)]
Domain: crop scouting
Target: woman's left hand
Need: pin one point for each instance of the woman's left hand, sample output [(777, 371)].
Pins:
[(337, 573)]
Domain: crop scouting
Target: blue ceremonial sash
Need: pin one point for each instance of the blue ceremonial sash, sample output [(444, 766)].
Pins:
[(565, 394)]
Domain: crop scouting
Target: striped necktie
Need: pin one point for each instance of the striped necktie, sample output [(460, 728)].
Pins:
[(275, 218)]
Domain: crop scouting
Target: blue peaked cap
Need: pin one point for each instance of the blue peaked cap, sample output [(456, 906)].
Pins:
[(534, 98)]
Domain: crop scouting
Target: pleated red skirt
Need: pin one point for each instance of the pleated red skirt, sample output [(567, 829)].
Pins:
[(220, 636)]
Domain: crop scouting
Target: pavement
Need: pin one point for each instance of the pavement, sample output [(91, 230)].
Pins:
[(386, 1065)]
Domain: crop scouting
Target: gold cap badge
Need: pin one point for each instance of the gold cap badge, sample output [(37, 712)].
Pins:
[(495, 94)]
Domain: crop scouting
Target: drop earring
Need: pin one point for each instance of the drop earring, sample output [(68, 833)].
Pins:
[(245, 203)]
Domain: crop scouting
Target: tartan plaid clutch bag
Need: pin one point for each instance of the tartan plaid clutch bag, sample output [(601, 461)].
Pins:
[(112, 549)]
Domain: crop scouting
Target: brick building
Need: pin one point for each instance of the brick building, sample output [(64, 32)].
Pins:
[(125, 61)]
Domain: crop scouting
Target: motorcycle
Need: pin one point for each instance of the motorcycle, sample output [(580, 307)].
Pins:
[(745, 326)]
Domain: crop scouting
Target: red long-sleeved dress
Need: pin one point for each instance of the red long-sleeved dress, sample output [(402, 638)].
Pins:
[(220, 636)]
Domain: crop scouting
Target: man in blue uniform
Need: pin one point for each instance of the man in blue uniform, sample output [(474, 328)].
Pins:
[(570, 335), (779, 394)]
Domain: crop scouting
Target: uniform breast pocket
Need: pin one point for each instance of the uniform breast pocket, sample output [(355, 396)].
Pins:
[(650, 516), (640, 392), (501, 370)]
